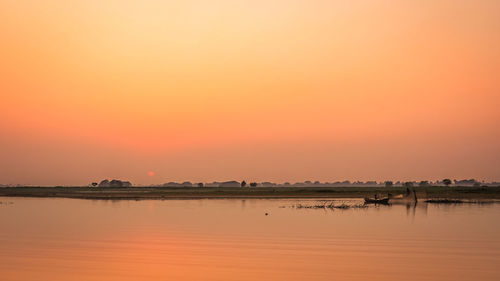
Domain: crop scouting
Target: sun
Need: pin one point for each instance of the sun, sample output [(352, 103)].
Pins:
[(151, 173)]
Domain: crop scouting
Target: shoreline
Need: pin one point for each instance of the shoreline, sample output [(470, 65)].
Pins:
[(166, 193)]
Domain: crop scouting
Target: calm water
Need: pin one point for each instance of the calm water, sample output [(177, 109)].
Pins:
[(68, 239)]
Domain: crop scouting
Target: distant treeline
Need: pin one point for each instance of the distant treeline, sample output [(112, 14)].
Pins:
[(445, 182)]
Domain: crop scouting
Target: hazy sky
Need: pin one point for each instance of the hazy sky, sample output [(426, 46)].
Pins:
[(257, 90)]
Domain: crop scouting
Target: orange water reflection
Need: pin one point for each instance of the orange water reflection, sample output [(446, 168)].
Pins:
[(63, 239)]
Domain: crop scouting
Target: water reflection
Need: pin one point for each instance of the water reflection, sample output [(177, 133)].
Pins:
[(64, 239)]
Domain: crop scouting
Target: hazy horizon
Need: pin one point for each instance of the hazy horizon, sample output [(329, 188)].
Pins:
[(310, 182), (156, 91)]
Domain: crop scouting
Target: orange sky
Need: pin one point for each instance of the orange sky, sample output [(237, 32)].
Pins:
[(258, 90)]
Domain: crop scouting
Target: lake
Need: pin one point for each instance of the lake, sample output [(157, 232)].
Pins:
[(234, 239)]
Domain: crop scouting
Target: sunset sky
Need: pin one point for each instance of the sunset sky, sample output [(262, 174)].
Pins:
[(154, 91)]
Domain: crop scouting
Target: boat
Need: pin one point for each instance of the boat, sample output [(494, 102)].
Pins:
[(384, 201)]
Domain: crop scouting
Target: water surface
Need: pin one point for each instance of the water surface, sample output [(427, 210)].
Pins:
[(71, 239)]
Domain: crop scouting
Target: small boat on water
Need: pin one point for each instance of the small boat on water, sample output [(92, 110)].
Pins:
[(384, 201)]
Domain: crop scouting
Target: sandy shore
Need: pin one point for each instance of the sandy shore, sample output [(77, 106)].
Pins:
[(138, 193)]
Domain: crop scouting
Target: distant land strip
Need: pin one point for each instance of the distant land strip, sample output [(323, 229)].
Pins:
[(142, 193)]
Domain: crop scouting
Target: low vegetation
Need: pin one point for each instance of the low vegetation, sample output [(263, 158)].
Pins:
[(204, 191), (329, 205)]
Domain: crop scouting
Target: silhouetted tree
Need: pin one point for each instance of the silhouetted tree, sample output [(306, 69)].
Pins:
[(253, 184), (408, 184), (114, 183), (388, 184), (200, 185), (94, 184), (423, 183), (447, 182), (243, 183)]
